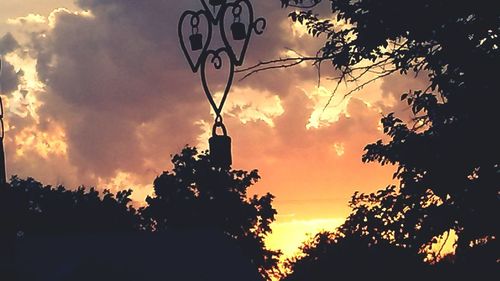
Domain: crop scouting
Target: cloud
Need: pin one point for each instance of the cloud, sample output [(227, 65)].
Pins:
[(114, 86), (117, 99), (339, 148), (29, 19), (8, 44), (9, 78), (247, 104), (118, 85)]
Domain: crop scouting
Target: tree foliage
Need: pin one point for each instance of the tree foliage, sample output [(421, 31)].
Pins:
[(448, 155), (195, 194), (335, 255), (192, 195), (29, 208)]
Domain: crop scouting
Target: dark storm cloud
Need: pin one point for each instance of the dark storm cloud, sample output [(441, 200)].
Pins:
[(112, 73), (8, 44), (9, 78)]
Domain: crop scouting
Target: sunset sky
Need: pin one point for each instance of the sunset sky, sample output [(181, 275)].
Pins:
[(98, 93)]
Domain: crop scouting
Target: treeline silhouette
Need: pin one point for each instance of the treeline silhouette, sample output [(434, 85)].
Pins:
[(193, 195), (447, 160)]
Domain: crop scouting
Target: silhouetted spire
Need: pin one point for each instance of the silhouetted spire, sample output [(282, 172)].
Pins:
[(3, 177)]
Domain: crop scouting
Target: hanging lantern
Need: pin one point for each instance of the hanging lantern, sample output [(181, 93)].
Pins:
[(196, 41), (220, 147), (238, 30)]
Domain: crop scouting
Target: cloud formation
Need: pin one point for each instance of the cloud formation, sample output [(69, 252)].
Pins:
[(9, 78), (29, 19), (116, 98)]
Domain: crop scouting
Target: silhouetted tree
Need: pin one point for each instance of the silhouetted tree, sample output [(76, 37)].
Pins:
[(448, 156), (29, 208), (333, 255), (195, 194)]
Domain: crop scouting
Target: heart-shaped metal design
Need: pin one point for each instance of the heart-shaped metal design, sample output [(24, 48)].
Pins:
[(195, 58), (238, 56), (214, 57), (215, 12)]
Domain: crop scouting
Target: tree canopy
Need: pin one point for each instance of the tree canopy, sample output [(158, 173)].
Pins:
[(29, 207), (194, 195), (448, 155)]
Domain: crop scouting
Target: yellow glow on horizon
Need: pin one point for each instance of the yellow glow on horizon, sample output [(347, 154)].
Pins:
[(288, 236)]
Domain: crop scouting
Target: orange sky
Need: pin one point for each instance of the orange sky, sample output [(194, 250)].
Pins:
[(104, 101)]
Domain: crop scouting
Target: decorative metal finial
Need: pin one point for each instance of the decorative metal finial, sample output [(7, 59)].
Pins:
[(200, 53)]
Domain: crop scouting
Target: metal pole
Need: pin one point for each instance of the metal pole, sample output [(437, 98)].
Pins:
[(3, 174)]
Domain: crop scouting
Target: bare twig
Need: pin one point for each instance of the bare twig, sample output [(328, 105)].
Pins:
[(281, 66), (359, 87), (255, 68)]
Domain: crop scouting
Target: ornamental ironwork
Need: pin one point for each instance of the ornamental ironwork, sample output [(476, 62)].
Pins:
[(235, 22)]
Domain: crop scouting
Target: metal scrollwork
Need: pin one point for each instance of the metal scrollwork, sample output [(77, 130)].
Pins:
[(217, 62), (196, 57), (215, 14), (235, 43)]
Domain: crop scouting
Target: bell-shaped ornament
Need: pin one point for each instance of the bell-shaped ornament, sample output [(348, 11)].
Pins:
[(220, 148), (239, 31), (196, 41)]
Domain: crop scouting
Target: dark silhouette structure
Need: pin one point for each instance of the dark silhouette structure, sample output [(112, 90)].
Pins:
[(213, 17), (3, 169), (3, 173)]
